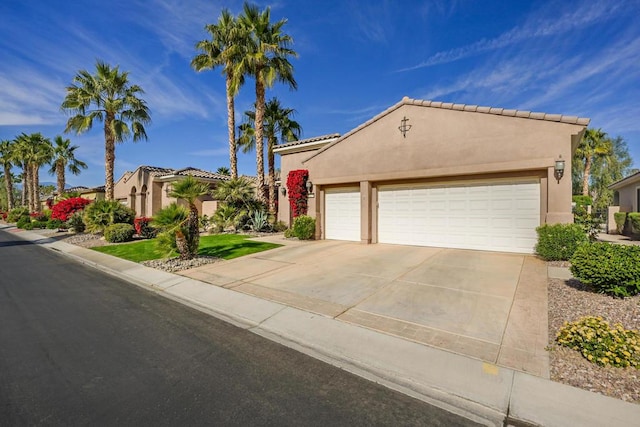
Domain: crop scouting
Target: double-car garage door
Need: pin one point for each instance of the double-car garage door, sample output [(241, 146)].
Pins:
[(497, 216)]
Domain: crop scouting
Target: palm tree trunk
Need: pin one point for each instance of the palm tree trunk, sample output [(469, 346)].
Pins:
[(193, 238), (27, 187), (231, 125), (272, 175), (585, 176), (35, 178), (60, 175), (8, 186), (109, 156), (259, 129)]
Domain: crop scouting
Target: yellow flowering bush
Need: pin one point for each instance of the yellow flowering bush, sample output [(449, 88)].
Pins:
[(601, 343)]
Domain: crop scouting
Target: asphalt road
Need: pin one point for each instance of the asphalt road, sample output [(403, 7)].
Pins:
[(80, 347)]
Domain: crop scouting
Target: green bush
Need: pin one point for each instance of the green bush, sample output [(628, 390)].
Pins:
[(608, 268), (288, 233), (38, 224), (601, 344), (17, 213), (76, 222), (621, 220), (54, 224), (304, 227), (590, 225), (118, 233), (103, 213), (581, 200), (24, 221), (634, 220), (558, 242)]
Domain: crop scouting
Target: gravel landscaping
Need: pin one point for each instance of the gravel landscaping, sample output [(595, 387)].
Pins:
[(571, 300)]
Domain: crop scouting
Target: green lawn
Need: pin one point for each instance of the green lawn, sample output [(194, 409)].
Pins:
[(226, 246)]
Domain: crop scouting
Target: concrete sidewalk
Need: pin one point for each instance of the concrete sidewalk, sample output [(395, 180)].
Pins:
[(481, 391)]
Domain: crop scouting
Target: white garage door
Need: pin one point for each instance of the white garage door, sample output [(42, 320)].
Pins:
[(342, 214), (487, 216)]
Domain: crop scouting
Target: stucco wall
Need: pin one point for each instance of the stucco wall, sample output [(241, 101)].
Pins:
[(288, 163), (628, 199)]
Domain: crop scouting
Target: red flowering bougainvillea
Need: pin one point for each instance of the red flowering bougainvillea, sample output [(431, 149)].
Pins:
[(65, 208), (144, 228), (297, 190)]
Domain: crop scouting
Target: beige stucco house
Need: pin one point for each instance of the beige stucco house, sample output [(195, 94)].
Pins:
[(146, 190), (439, 174), (626, 198)]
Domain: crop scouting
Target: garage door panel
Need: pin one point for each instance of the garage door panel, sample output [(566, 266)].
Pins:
[(490, 216), (342, 214)]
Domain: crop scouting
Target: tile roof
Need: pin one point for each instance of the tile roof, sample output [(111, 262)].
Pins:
[(624, 181), (198, 173), (308, 140)]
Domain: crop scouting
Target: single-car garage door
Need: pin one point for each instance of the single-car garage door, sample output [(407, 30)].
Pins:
[(499, 216), (342, 214)]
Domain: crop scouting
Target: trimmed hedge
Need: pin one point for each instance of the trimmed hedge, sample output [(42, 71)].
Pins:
[(634, 220), (304, 227), (621, 220), (558, 242), (608, 268), (118, 233)]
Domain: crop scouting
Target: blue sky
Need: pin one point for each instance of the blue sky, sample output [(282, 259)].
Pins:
[(356, 58)]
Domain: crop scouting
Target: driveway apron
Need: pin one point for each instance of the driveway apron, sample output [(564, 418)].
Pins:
[(487, 305)]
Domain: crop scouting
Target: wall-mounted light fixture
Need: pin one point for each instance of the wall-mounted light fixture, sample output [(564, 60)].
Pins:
[(404, 127), (558, 170), (309, 187), (283, 190), (168, 189)]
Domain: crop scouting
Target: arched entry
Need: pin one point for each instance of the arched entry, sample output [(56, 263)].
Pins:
[(132, 198), (143, 201)]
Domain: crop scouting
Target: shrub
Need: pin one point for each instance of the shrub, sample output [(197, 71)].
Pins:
[(40, 216), (76, 222), (558, 242), (27, 226), (169, 220), (621, 220), (590, 225), (288, 233), (581, 200), (23, 222), (279, 227), (600, 343), (16, 213), (608, 268), (103, 213), (143, 228), (259, 220), (38, 224), (228, 217), (118, 233), (65, 208), (634, 220), (53, 224), (3, 216), (304, 227)]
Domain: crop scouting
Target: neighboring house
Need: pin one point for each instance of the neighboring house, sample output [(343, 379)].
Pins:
[(95, 193), (146, 190), (439, 174), (626, 198)]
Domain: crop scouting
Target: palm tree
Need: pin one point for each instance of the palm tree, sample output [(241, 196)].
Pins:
[(34, 151), (189, 189), (6, 160), (278, 125), (237, 192), (224, 49), (595, 143), (223, 170), (64, 158), (107, 97), (266, 59)]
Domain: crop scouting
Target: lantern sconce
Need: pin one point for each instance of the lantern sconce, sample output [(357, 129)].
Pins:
[(283, 191), (404, 127), (309, 187), (558, 170)]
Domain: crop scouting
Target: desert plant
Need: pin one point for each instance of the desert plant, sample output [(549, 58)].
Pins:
[(258, 220), (103, 213), (621, 221), (600, 343), (189, 189), (143, 228), (304, 227), (53, 224), (228, 217), (608, 268), (168, 220), (558, 242), (76, 222), (15, 214), (118, 233)]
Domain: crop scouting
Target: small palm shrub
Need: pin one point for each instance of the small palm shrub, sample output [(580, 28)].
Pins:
[(600, 343), (118, 233), (76, 222), (558, 242), (621, 220), (15, 214), (169, 220), (608, 268), (228, 217), (304, 227), (103, 213)]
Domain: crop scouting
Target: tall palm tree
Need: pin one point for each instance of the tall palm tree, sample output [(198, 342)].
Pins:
[(107, 96), (64, 158), (224, 50), (595, 143), (6, 160), (266, 59), (278, 126), (189, 189), (34, 151)]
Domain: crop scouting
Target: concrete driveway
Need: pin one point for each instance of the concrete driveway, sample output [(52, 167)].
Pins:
[(487, 305)]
